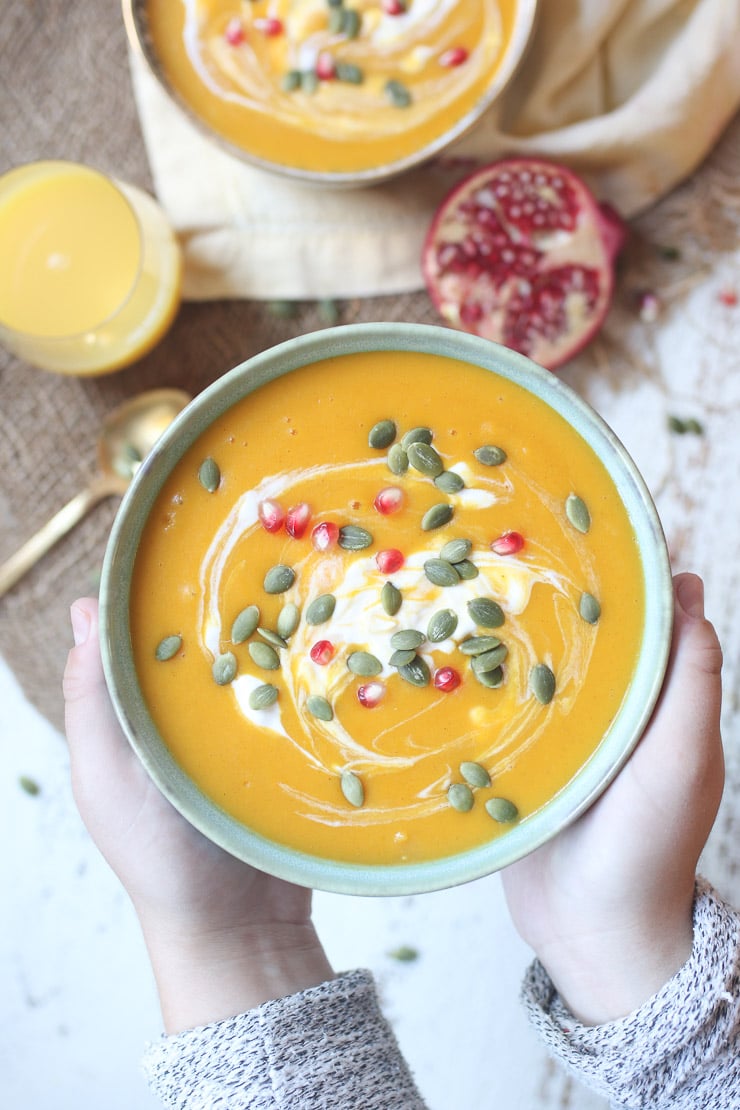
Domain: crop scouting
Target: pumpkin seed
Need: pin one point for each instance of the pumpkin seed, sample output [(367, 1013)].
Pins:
[(490, 679), (416, 672), (309, 84), (436, 517), (262, 697), (577, 513), (364, 663), (288, 620), (354, 538), (350, 73), (490, 660), (245, 624), (454, 551), (542, 683), (382, 434), (397, 93), (474, 774), (449, 482), (489, 455), (351, 23), (272, 638), (416, 435), (321, 609), (209, 475), (407, 638), (460, 797), (425, 459), (279, 579), (391, 598), (441, 625), (352, 788), (404, 953), (264, 655), (336, 20), (486, 612), (477, 645), (167, 648), (291, 80), (319, 707), (401, 657), (502, 810), (589, 608), (398, 460), (441, 573), (224, 668), (467, 570)]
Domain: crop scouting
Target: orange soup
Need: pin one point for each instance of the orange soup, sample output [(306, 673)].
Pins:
[(385, 607), (331, 87)]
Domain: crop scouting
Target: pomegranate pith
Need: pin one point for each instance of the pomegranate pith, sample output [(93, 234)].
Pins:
[(521, 253)]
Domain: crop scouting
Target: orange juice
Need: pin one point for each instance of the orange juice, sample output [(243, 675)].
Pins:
[(91, 272)]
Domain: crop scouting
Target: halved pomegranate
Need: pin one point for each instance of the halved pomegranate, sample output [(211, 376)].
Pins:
[(520, 252)]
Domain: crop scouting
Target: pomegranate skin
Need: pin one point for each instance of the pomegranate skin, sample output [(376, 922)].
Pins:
[(520, 252)]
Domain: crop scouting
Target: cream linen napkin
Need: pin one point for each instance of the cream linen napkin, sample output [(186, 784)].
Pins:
[(630, 93)]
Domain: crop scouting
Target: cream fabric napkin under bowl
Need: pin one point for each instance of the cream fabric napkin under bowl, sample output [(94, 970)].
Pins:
[(632, 94)]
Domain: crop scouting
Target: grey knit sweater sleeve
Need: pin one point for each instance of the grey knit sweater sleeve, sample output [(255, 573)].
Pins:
[(330, 1048), (681, 1050), (327, 1048)]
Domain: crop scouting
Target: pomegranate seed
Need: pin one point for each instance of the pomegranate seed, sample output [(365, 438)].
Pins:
[(370, 694), (269, 26), (394, 7), (297, 520), (728, 297), (446, 679), (234, 33), (389, 500), (508, 544), (325, 535), (322, 651), (648, 306), (271, 514), (325, 67), (455, 56), (390, 560)]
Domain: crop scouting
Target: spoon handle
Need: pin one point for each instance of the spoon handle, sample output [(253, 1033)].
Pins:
[(72, 513)]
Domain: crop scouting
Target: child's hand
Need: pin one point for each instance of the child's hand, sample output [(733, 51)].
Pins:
[(222, 936), (607, 905)]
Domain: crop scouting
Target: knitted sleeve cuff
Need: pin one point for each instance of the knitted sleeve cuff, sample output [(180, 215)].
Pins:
[(678, 1041), (328, 1046)]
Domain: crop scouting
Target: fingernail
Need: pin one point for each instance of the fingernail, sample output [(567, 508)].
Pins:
[(690, 594), (80, 619)]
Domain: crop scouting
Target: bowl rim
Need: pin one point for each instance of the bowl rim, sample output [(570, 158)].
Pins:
[(525, 20), (570, 802)]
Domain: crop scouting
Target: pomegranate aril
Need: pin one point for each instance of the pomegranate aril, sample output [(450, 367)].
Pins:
[(271, 514), (389, 500), (269, 25), (322, 652), (297, 520), (370, 694), (234, 32), (455, 56), (508, 544), (325, 535), (446, 679), (390, 560), (394, 7), (326, 68)]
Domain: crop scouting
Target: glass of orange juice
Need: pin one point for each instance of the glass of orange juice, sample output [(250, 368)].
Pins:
[(91, 270)]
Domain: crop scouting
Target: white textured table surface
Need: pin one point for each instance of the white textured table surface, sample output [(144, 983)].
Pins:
[(77, 1002)]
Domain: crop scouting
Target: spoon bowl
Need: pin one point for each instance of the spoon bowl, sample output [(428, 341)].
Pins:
[(128, 434)]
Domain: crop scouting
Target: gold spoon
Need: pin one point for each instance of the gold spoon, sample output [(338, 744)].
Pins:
[(129, 432)]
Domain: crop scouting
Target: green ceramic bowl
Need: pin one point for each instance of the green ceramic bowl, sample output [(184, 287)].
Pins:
[(532, 831)]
